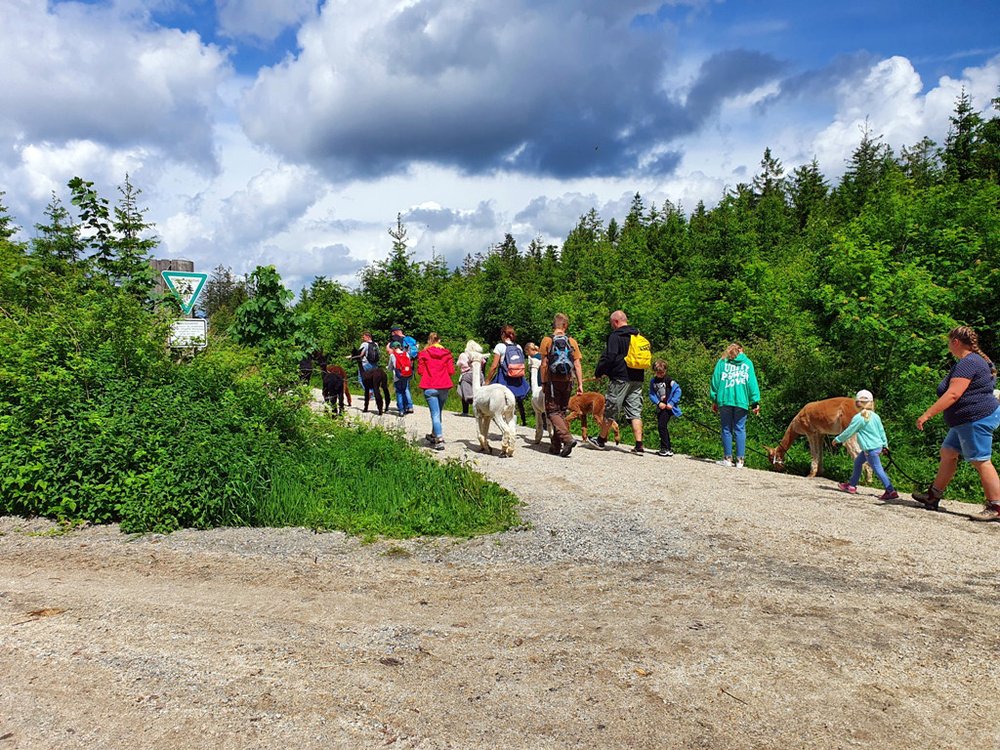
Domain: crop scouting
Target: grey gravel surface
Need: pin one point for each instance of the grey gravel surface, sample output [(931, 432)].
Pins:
[(647, 602)]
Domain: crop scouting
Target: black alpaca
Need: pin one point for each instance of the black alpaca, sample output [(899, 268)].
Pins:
[(374, 380)]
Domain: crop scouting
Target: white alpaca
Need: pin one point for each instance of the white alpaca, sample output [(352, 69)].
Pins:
[(537, 398), (492, 403)]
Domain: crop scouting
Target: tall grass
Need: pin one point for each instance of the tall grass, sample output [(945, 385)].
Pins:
[(363, 480)]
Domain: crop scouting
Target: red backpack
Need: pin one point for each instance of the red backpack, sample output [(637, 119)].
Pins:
[(404, 365)]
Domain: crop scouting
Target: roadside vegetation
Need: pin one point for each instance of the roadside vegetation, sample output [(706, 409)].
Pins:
[(101, 422)]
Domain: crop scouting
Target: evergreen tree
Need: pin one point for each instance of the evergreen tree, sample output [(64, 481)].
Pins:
[(988, 161), (133, 247), (964, 138), (866, 168), (222, 296), (770, 181), (7, 227), (58, 242), (808, 191), (920, 163), (389, 285)]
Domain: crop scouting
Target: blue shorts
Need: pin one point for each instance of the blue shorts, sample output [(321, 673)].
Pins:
[(974, 441)]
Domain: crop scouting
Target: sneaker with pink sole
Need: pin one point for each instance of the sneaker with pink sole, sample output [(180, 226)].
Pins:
[(845, 487), (889, 495)]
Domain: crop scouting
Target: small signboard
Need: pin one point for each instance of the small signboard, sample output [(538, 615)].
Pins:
[(187, 285), (189, 333)]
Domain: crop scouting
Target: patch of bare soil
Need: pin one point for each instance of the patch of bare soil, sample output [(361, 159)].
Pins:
[(650, 602)]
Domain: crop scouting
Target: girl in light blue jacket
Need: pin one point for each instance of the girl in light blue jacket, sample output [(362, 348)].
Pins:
[(872, 440)]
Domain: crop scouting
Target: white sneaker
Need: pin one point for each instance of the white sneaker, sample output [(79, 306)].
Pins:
[(725, 462), (739, 463)]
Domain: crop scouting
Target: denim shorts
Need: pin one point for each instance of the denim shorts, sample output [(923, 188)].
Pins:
[(974, 441)]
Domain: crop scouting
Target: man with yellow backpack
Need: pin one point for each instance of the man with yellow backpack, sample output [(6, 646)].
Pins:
[(624, 361)]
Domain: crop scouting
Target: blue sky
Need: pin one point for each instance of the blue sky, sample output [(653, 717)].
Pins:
[(292, 132)]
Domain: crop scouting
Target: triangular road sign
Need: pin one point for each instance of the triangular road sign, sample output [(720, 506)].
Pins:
[(187, 285)]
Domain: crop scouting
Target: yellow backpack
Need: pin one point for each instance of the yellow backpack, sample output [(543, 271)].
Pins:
[(640, 354)]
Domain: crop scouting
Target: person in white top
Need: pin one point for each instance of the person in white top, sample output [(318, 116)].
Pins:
[(509, 368)]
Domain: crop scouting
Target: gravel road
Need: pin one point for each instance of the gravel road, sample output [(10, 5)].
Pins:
[(648, 602)]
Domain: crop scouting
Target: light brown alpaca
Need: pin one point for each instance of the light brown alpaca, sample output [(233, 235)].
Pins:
[(816, 420), (589, 403)]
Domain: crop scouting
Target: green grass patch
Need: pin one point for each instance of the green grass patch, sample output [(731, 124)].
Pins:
[(369, 482)]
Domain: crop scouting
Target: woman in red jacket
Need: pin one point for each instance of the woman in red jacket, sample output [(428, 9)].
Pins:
[(435, 367)]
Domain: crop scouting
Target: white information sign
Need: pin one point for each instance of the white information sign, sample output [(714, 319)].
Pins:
[(189, 333)]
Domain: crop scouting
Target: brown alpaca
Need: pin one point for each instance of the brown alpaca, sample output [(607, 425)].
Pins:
[(815, 420), (590, 403)]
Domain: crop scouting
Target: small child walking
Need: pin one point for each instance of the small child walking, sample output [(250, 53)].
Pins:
[(872, 440), (664, 393)]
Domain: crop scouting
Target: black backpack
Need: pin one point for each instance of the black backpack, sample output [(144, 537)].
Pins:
[(561, 356), (372, 353)]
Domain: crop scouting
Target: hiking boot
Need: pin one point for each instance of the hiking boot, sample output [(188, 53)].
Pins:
[(889, 495), (930, 499), (725, 462), (430, 437), (991, 512), (848, 488), (638, 449), (567, 448), (596, 442), (554, 450), (739, 463)]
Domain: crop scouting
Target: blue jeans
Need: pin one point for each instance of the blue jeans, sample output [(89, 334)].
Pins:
[(435, 401), (404, 402), (872, 457), (734, 423)]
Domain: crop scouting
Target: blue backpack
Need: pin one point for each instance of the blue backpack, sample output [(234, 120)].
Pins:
[(411, 347), (561, 356), (513, 361)]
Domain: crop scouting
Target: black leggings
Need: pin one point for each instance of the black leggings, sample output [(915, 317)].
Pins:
[(520, 410)]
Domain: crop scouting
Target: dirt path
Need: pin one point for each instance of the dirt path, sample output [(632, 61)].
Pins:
[(652, 602)]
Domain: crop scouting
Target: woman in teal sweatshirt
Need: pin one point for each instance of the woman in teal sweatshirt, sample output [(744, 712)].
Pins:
[(734, 392), (872, 440)]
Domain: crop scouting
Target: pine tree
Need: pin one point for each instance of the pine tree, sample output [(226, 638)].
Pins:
[(59, 240), (7, 227), (920, 163), (770, 180), (808, 191), (132, 244), (389, 285), (868, 165), (964, 139), (988, 161)]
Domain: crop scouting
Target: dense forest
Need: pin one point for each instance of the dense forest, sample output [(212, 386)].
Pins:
[(831, 288)]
